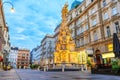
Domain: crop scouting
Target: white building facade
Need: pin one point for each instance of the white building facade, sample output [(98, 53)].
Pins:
[(48, 47), (13, 57)]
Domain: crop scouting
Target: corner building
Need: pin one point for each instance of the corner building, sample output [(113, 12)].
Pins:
[(23, 58), (92, 24)]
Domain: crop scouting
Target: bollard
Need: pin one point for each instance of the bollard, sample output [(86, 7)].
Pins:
[(81, 67), (44, 69), (63, 68)]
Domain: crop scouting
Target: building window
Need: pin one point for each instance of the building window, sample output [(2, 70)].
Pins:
[(108, 31), (78, 22), (78, 43), (117, 27), (85, 16), (105, 16), (114, 10), (92, 11), (86, 39), (95, 35), (78, 31), (104, 3), (76, 13), (94, 22), (82, 41), (23, 54), (80, 10), (86, 27), (92, 0), (72, 31), (82, 28)]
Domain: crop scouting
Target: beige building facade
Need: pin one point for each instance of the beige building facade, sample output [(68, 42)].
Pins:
[(23, 58), (92, 25), (4, 39)]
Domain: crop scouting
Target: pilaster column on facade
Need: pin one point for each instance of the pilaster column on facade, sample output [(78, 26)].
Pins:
[(101, 19), (89, 26), (75, 31)]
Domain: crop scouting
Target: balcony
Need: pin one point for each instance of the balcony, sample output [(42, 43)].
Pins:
[(106, 21), (113, 2), (108, 38), (96, 41), (116, 16), (95, 26)]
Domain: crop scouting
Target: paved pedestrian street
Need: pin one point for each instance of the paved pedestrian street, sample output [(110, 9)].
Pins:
[(27, 74), (9, 75)]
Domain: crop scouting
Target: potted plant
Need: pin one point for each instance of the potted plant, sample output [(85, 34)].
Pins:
[(89, 64)]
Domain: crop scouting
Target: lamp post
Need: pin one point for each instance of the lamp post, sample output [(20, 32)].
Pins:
[(8, 2), (5, 51)]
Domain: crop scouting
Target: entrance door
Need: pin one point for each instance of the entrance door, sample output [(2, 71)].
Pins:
[(98, 57)]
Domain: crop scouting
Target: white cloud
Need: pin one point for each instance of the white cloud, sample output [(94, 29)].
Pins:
[(19, 29), (19, 37)]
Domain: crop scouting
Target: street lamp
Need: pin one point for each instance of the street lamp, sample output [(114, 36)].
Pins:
[(5, 52), (12, 8)]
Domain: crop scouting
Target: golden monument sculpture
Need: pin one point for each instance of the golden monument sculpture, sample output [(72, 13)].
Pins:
[(65, 46)]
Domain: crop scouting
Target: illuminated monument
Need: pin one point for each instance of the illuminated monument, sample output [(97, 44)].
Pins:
[(65, 46)]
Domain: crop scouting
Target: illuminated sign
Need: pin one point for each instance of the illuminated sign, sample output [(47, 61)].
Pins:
[(110, 47), (108, 55)]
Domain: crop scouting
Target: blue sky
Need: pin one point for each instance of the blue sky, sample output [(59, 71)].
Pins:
[(32, 20)]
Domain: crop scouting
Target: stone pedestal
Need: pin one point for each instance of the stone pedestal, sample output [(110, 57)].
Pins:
[(24, 67), (53, 66), (63, 67), (44, 69), (81, 67), (19, 67)]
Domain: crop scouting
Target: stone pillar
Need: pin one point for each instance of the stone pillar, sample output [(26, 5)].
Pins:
[(53, 66), (24, 67), (86, 67), (47, 68), (82, 67), (19, 67)]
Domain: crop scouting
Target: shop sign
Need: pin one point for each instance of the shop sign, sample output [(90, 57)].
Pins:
[(110, 47), (108, 55)]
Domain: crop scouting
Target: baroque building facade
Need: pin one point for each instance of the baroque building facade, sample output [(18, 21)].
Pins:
[(4, 39), (92, 24)]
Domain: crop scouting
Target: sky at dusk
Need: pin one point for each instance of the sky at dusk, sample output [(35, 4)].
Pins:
[(32, 20)]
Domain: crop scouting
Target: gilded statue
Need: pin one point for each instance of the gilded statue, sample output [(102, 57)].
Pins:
[(65, 11), (65, 44)]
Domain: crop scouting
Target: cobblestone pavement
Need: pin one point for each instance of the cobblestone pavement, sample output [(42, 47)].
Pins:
[(27, 74)]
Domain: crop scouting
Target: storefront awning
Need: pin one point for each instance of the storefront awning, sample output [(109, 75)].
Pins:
[(108, 55)]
